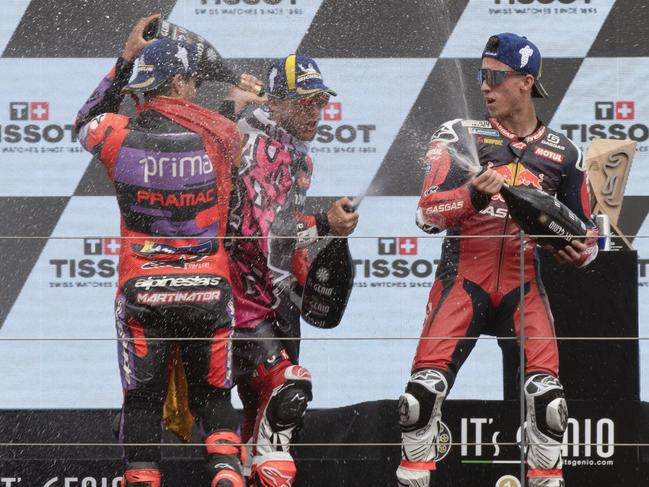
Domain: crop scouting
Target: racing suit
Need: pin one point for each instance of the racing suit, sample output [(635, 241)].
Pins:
[(477, 285), (171, 168), (270, 255)]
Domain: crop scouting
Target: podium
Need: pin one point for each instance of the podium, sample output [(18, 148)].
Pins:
[(597, 303), (361, 441)]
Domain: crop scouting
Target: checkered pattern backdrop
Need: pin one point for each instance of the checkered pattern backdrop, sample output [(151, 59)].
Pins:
[(400, 67)]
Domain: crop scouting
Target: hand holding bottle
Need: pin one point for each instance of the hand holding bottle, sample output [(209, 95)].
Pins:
[(136, 41)]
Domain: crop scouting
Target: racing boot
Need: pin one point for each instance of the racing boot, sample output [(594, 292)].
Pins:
[(141, 474)]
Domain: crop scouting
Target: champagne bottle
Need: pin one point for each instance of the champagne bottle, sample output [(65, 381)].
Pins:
[(328, 285), (538, 213), (212, 67)]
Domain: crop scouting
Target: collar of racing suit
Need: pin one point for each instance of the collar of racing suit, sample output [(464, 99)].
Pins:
[(537, 133), (261, 123)]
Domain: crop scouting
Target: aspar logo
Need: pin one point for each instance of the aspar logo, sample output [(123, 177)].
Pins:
[(397, 265), (613, 120), (29, 122), (343, 135), (84, 269), (83, 482)]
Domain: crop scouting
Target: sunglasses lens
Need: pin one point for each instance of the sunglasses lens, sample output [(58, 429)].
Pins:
[(492, 77)]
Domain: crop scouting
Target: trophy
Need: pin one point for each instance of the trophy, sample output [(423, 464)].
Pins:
[(608, 162)]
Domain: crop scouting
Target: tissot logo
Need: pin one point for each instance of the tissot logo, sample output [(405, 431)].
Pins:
[(35, 131), (398, 245), (613, 120), (618, 110), (247, 2), (101, 246), (333, 111), (543, 2), (23, 111)]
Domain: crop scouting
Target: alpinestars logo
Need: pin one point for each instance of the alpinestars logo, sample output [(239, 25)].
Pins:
[(614, 119), (273, 476)]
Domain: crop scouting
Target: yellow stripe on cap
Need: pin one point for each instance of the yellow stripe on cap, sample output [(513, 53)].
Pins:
[(289, 66)]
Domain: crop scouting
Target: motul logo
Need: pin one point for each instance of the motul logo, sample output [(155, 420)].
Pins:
[(548, 154)]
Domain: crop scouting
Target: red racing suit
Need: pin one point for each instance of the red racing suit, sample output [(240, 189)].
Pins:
[(477, 285), (171, 167)]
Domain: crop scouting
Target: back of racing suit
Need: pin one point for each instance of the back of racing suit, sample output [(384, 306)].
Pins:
[(269, 258), (477, 285), (171, 168)]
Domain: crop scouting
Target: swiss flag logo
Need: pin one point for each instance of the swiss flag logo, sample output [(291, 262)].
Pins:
[(333, 111), (624, 110), (407, 245), (110, 246), (39, 110)]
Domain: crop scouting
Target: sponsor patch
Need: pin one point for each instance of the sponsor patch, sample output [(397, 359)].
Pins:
[(490, 141), (484, 131), (476, 123), (455, 205), (548, 154), (179, 297), (177, 281)]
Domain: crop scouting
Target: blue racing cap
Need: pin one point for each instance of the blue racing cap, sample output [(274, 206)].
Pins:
[(519, 54), (294, 77), (162, 60)]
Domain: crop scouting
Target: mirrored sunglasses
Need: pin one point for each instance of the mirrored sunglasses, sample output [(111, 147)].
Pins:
[(495, 77)]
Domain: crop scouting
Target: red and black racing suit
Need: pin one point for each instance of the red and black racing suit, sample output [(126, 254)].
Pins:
[(172, 184), (477, 283)]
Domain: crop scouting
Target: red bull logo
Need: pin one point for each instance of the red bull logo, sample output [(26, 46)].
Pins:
[(516, 174)]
